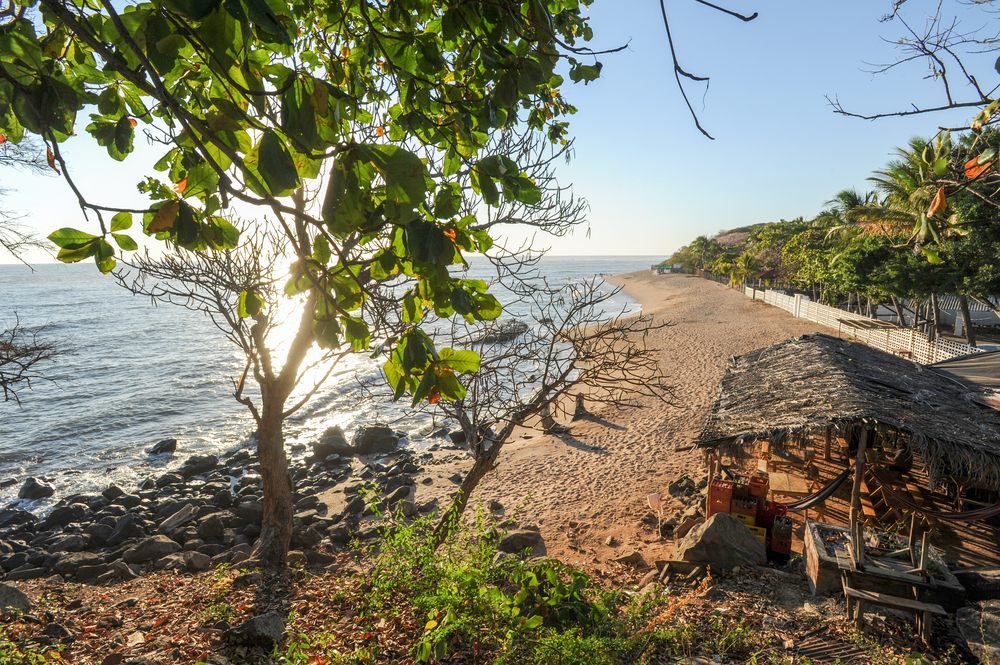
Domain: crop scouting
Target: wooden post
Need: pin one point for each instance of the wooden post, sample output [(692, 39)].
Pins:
[(827, 455), (859, 546), (913, 535), (924, 546)]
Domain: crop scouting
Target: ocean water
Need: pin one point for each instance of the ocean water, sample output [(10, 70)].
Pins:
[(134, 373)]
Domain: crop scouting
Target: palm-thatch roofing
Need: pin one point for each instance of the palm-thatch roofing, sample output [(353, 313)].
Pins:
[(793, 389)]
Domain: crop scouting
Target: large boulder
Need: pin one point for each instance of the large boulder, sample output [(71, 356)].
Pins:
[(722, 541), (33, 489), (374, 441), (333, 442), (13, 598), (14, 517), (251, 511), (156, 547), (981, 630), (123, 529), (980, 584)]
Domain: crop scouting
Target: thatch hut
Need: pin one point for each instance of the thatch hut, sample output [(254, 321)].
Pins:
[(789, 392)]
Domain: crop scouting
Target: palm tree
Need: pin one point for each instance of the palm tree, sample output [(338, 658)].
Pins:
[(743, 269)]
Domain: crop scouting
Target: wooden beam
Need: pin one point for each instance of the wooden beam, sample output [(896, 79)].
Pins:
[(827, 455)]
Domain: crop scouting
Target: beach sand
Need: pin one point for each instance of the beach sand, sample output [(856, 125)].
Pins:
[(592, 483)]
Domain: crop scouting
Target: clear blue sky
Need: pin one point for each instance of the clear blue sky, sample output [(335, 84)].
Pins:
[(652, 180)]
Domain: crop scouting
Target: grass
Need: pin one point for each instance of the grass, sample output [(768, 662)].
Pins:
[(463, 600)]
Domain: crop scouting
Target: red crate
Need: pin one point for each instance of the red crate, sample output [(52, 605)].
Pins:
[(720, 494), (746, 507), (768, 511), (741, 488), (759, 484), (781, 545), (782, 527)]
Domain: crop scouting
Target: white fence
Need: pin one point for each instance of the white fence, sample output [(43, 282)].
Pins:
[(906, 342)]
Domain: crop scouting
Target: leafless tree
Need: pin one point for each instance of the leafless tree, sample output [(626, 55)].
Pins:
[(22, 350), (568, 339)]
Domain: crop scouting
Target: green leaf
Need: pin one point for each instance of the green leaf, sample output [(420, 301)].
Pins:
[(403, 172), (357, 332), (275, 165), (264, 18), (321, 250), (125, 242), (461, 362), (440, 650), (195, 9), (105, 256), (533, 622), (424, 652), (68, 238), (941, 166), (449, 386), (426, 242), (121, 221), (249, 304), (932, 255), (74, 254)]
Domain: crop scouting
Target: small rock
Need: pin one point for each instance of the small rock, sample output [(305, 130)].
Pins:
[(629, 558), (164, 446), (264, 631), (56, 631), (13, 598), (34, 489), (178, 519), (516, 541), (156, 547), (456, 478), (495, 505), (409, 508)]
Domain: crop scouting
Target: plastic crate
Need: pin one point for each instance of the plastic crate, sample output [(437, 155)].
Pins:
[(720, 494), (741, 488), (782, 527), (759, 484), (748, 520), (781, 545), (746, 507), (769, 511), (761, 534)]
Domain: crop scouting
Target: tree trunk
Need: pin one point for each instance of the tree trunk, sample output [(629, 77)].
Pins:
[(970, 335), (484, 464), (899, 312), (276, 529)]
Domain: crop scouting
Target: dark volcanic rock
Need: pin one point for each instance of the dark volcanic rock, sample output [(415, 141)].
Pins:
[(14, 517), (33, 488), (264, 631), (222, 499), (165, 446), (250, 511), (156, 547), (123, 529), (68, 563), (15, 598), (112, 492), (75, 512), (374, 441), (333, 442), (127, 500), (198, 464)]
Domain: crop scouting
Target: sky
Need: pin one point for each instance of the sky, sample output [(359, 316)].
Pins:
[(653, 182)]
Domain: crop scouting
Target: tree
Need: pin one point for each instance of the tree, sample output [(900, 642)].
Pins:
[(573, 344), (323, 116), (22, 349)]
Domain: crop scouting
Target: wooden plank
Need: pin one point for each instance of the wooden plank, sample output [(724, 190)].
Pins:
[(885, 600)]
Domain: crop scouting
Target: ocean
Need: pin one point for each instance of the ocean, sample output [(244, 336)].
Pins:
[(134, 373)]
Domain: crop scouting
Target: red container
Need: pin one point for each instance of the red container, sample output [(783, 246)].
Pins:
[(746, 507), (769, 510), (741, 488), (720, 494), (759, 484), (782, 527), (781, 546)]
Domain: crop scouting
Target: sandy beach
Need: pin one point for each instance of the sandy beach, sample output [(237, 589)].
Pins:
[(591, 483)]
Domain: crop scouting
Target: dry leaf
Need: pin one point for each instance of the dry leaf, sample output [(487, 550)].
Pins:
[(938, 204)]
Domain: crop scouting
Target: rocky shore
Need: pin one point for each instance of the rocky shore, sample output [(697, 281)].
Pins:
[(209, 511)]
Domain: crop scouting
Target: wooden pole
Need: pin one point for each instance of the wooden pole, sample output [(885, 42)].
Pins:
[(856, 528), (827, 454)]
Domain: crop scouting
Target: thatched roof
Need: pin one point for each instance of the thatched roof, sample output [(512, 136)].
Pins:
[(801, 386)]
